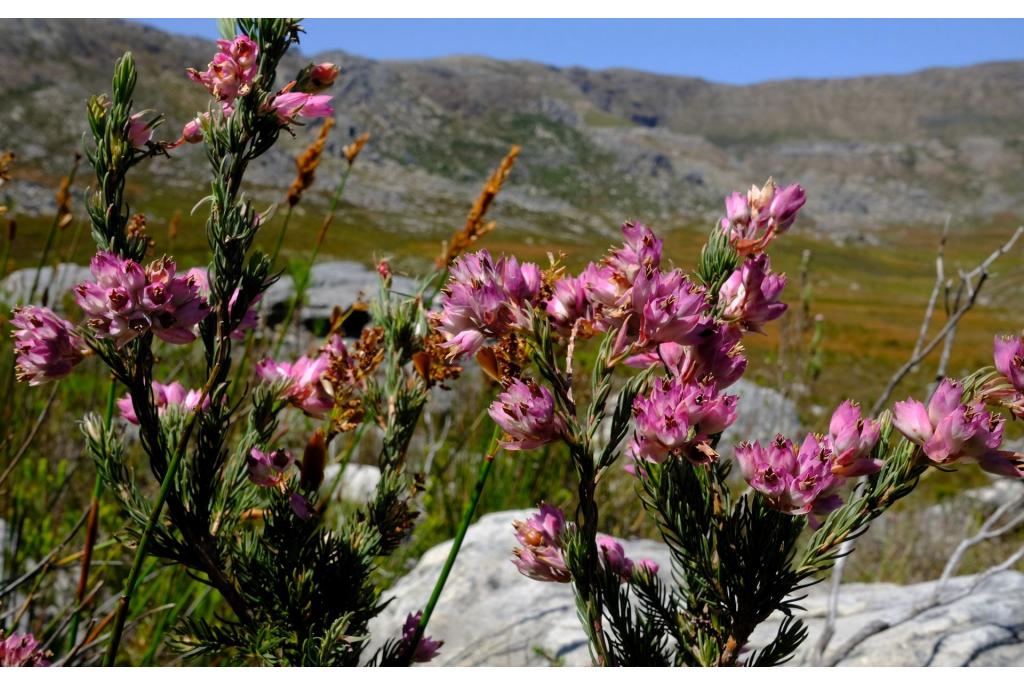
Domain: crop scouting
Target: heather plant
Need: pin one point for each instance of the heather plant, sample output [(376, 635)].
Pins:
[(237, 466), (668, 346)]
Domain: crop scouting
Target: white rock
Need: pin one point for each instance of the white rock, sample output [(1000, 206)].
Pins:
[(491, 615), (358, 482)]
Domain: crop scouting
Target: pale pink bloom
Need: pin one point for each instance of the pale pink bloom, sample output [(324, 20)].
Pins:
[(268, 469), (784, 206), (22, 649), (613, 557), (231, 71), (290, 106), (752, 221), (172, 394), (485, 299), (526, 412), (675, 417), (304, 387), (139, 131), (126, 300), (427, 648), (948, 430), (750, 296), (540, 556), (647, 565), (853, 438), (568, 303), (1009, 359), (668, 307), (794, 482), (641, 252), (46, 346), (192, 132)]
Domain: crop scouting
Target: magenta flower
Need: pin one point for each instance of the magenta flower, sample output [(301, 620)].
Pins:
[(526, 412), (752, 221), (427, 648), (164, 396), (231, 71), (640, 253), (1009, 359), (301, 506), (750, 296), (267, 469), (139, 131), (675, 417), (46, 346), (613, 557), (794, 482), (485, 299), (669, 308), (948, 430), (21, 649), (290, 106), (127, 300), (540, 556), (853, 438), (304, 382), (568, 303)]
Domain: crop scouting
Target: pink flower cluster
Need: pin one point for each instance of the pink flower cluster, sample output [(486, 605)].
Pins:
[(1009, 360), (232, 70), (526, 412), (304, 382), (291, 105), (754, 219), (21, 649), (806, 479), (172, 394), (675, 417), (540, 556), (485, 299), (46, 346), (427, 648), (127, 300), (950, 430), (750, 296)]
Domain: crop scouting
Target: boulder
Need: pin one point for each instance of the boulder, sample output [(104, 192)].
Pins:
[(491, 615)]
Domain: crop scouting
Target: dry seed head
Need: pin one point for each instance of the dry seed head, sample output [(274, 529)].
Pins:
[(352, 150), (306, 164)]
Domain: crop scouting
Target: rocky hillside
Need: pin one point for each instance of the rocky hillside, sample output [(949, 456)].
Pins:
[(599, 146)]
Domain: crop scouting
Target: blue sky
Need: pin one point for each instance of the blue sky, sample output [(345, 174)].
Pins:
[(728, 51)]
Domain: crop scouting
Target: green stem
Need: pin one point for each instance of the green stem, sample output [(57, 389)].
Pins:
[(92, 528), (300, 287), (453, 553), (280, 236)]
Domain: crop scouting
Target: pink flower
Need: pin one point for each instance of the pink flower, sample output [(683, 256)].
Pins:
[(716, 360), (304, 382), (300, 506), (568, 303), (322, 76), (613, 557), (948, 430), (1009, 359), (752, 221), (485, 299), (675, 417), (750, 296), (193, 130), (139, 131), (526, 412), (46, 345), (164, 396), (267, 470), (21, 649), (669, 308), (290, 106), (794, 482), (231, 71), (540, 556), (127, 300), (641, 252), (427, 648), (648, 566), (853, 438)]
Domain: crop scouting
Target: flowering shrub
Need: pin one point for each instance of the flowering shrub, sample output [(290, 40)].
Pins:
[(735, 559)]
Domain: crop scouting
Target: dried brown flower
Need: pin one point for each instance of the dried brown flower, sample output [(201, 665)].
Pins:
[(306, 164), (475, 226), (352, 150), (433, 363), (63, 198)]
